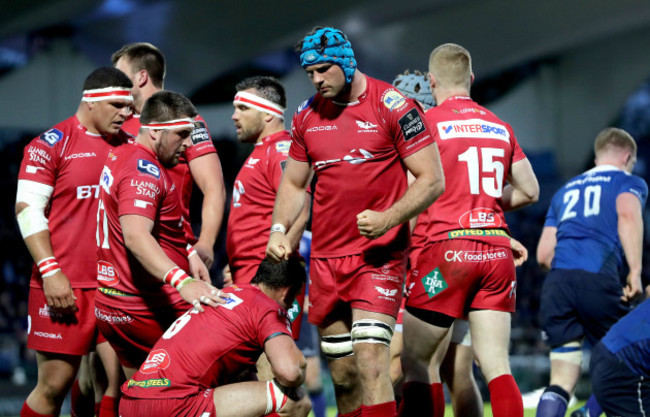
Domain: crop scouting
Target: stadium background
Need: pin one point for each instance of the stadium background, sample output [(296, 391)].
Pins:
[(557, 71)]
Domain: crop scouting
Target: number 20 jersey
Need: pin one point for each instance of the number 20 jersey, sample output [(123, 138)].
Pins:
[(584, 212), (477, 150)]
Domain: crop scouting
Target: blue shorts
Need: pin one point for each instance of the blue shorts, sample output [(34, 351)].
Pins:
[(619, 391), (577, 304)]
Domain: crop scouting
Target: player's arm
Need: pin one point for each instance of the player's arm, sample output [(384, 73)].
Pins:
[(298, 227), (31, 199), (287, 361), (630, 232), (429, 184), (522, 188), (142, 244), (289, 203), (207, 173), (546, 247)]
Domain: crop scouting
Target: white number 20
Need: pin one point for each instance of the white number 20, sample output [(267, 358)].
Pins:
[(591, 203)]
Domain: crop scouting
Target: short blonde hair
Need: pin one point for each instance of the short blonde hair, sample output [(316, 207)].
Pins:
[(451, 65), (613, 138)]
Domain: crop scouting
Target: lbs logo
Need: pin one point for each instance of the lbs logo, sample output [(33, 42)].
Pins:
[(479, 217), (158, 359), (106, 273), (148, 167)]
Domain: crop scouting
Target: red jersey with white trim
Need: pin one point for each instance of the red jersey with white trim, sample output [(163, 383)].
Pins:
[(70, 159), (231, 336), (356, 150), (477, 150), (133, 182), (252, 203), (180, 174)]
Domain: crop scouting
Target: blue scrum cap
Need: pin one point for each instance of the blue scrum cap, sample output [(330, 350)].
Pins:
[(415, 86), (329, 45)]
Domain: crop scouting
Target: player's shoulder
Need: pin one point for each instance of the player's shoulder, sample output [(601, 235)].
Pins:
[(54, 136), (307, 106), (280, 145)]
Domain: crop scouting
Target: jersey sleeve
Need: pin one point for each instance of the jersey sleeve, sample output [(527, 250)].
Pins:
[(635, 185), (277, 160), (551, 214), (138, 192), (40, 160), (201, 141), (517, 153), (407, 124), (298, 151), (272, 322)]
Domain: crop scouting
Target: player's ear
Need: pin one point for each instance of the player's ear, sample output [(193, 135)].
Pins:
[(141, 78), (471, 79)]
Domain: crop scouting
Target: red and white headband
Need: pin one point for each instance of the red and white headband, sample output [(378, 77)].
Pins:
[(108, 93), (171, 124), (259, 103)]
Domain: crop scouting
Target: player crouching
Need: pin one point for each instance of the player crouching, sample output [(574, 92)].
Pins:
[(193, 369)]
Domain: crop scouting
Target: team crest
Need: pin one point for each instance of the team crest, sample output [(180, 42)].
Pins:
[(393, 100)]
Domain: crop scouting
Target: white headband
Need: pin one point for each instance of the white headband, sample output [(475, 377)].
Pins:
[(259, 103), (171, 124), (107, 93)]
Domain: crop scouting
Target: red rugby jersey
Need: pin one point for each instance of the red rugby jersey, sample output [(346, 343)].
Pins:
[(477, 150), (70, 159), (252, 203), (180, 174), (134, 182), (356, 151), (231, 336)]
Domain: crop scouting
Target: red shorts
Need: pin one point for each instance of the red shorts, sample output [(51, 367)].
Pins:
[(132, 333), (201, 405), (364, 282), (71, 334), (455, 276), (244, 271)]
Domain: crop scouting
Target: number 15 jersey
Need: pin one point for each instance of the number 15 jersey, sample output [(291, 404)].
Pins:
[(477, 150), (584, 212)]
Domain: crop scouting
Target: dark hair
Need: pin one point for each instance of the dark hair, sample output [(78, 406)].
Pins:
[(143, 56), (166, 105), (269, 88), (106, 77), (289, 273)]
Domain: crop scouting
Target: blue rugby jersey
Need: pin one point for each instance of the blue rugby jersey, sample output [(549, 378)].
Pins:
[(584, 212), (629, 339)]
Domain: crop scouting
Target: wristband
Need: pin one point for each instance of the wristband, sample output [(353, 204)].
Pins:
[(48, 266), (279, 227), (175, 276), (184, 282), (190, 250)]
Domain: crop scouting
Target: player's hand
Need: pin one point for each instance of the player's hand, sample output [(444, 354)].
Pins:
[(227, 276), (519, 251), (206, 252), (198, 269), (372, 224), (58, 292), (198, 293), (633, 288), (278, 248)]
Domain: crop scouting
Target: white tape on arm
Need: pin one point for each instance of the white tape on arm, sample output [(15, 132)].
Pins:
[(32, 219)]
